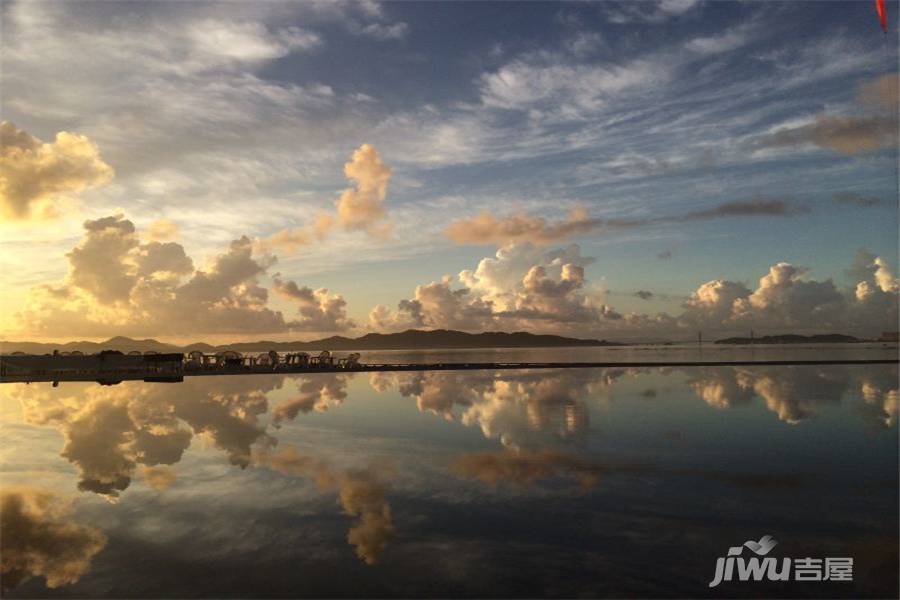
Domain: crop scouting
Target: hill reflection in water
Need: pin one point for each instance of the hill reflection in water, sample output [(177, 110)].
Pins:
[(510, 483)]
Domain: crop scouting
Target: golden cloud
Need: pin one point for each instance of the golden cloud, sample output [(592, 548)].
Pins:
[(163, 230), (37, 178), (159, 477), (485, 228), (360, 207)]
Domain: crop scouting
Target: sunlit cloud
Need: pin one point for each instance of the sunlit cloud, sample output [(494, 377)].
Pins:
[(163, 230), (39, 180), (485, 228), (360, 207)]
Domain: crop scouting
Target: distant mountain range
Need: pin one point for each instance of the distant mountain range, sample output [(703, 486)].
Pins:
[(827, 338), (412, 339)]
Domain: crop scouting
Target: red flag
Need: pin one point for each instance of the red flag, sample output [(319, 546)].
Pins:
[(882, 14)]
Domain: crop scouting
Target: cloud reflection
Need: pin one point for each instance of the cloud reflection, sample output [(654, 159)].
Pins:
[(109, 431), (797, 393), (316, 393), (112, 432), (522, 409), (39, 541), (361, 493), (527, 468)]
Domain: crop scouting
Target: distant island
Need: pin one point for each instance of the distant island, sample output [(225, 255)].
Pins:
[(412, 339), (825, 338)]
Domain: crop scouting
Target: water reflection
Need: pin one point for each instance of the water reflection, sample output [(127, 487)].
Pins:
[(411, 458), (798, 393), (109, 431), (361, 494), (525, 409), (39, 541), (525, 468), (313, 394)]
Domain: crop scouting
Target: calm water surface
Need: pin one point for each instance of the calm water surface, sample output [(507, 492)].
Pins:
[(569, 483)]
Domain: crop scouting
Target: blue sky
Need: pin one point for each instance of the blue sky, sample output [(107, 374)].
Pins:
[(236, 119)]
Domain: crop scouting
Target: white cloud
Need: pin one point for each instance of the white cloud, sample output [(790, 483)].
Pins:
[(380, 31), (623, 13), (567, 90), (548, 292), (723, 42)]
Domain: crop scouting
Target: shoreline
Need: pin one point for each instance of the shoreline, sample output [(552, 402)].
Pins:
[(112, 377)]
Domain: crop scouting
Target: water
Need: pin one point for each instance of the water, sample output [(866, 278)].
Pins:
[(642, 353), (564, 483)]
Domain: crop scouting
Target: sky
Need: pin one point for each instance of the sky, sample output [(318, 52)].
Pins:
[(643, 170)]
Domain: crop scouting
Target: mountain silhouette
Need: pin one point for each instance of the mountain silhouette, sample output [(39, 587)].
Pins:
[(410, 339)]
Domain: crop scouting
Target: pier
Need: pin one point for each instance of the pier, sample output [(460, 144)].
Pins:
[(112, 367)]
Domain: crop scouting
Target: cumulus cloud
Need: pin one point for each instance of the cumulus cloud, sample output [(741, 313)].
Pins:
[(117, 284), (360, 207), (361, 493), (434, 305), (785, 296), (318, 310), (39, 541), (523, 287), (485, 228), (37, 178), (714, 301), (876, 293)]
